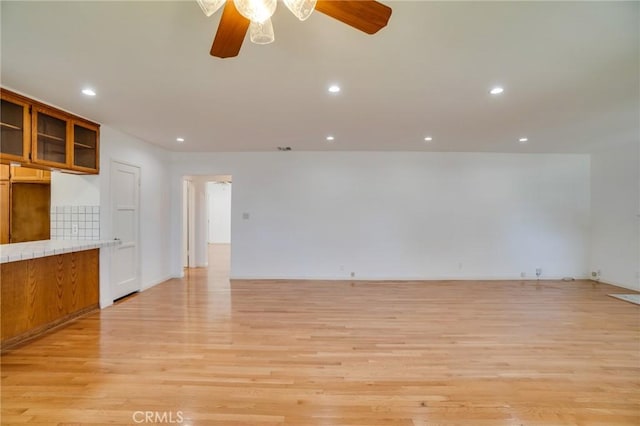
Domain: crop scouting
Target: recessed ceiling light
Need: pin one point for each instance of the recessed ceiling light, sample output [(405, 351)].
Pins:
[(523, 140), (180, 140), (496, 90), (428, 139), (330, 138), (334, 88), (88, 92)]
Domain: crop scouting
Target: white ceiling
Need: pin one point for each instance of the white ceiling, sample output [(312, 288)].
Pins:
[(570, 72)]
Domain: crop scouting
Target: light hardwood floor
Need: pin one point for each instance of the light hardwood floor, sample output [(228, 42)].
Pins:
[(205, 351)]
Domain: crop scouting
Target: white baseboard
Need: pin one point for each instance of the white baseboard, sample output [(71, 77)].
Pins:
[(429, 278), (156, 282), (105, 303), (615, 284)]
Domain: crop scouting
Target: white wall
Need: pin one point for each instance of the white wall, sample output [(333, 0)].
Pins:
[(75, 190), (219, 207), (154, 203), (399, 215), (615, 207)]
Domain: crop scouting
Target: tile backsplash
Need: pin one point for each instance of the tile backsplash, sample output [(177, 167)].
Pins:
[(75, 222)]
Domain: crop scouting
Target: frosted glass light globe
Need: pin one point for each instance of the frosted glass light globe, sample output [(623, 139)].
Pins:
[(209, 7), (261, 32), (302, 9), (256, 10)]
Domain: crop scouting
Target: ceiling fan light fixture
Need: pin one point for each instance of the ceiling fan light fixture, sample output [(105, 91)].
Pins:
[(368, 16), (261, 32), (302, 9), (256, 10), (209, 7)]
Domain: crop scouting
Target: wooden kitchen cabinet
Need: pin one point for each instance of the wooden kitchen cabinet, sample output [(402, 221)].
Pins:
[(15, 123), (50, 140), (86, 156), (41, 293), (4, 172), (5, 203), (29, 216), (46, 137), (27, 174), (25, 196), (5, 208)]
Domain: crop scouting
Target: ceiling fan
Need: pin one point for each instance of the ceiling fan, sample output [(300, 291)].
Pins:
[(240, 16)]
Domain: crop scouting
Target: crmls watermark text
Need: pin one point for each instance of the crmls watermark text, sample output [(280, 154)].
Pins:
[(157, 417)]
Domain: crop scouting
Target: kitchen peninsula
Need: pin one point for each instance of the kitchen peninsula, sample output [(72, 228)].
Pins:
[(44, 283), (47, 283)]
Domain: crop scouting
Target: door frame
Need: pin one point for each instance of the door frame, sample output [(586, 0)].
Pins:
[(188, 224), (112, 165), (195, 219)]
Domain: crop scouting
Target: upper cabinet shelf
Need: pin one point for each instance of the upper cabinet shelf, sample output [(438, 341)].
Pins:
[(52, 137), (10, 126), (45, 137)]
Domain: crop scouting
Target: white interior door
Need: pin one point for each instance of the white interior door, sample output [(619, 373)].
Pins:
[(125, 223)]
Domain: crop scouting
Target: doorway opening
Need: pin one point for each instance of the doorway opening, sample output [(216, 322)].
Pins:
[(219, 224), (207, 223)]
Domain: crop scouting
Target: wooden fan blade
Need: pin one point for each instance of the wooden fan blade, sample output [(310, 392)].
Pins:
[(366, 15), (231, 31)]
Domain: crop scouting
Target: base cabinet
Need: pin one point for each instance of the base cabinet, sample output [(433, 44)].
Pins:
[(38, 294)]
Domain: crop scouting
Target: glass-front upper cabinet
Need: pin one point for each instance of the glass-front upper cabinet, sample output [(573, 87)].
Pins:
[(14, 125), (50, 143), (85, 146), (38, 135)]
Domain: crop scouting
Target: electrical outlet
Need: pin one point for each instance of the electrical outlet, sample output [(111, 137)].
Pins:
[(353, 274), (74, 229), (523, 274), (538, 272)]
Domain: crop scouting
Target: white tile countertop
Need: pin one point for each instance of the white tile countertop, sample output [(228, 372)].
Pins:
[(33, 249)]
